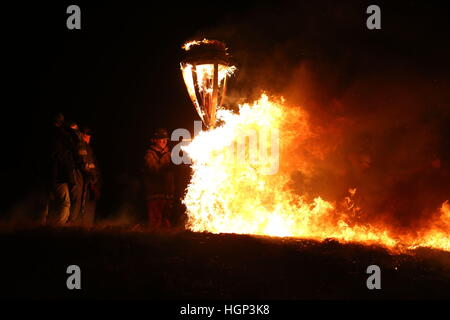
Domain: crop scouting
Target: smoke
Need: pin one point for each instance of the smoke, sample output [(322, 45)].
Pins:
[(385, 136), (377, 104)]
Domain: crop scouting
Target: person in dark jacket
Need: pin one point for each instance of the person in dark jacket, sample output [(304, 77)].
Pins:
[(61, 168), (91, 177), (159, 181), (77, 187)]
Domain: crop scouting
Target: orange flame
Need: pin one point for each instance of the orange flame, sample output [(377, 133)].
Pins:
[(235, 189), (188, 45)]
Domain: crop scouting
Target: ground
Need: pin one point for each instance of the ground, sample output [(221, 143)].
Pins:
[(127, 264)]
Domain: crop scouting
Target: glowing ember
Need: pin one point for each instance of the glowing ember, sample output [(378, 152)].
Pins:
[(187, 46), (240, 185)]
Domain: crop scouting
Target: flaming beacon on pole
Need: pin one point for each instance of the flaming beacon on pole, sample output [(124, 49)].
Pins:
[(205, 69)]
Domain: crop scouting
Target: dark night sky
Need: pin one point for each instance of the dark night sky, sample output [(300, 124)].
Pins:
[(120, 74)]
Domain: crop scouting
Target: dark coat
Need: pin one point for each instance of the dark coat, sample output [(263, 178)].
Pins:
[(61, 162), (158, 173)]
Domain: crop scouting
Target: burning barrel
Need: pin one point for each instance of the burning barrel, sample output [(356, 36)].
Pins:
[(205, 69)]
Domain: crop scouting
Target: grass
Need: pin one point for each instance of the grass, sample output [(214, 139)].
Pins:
[(117, 263)]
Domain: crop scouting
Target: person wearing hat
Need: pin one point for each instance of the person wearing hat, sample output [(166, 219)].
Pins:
[(91, 179), (159, 181)]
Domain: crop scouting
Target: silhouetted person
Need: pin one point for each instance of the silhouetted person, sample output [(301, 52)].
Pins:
[(91, 178), (159, 181), (77, 187), (61, 173)]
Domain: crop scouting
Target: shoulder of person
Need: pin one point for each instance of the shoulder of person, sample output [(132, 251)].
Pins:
[(150, 150)]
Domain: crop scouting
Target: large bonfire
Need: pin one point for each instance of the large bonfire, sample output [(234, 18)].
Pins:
[(242, 169), (241, 184)]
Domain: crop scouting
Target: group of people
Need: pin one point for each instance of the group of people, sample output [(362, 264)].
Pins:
[(72, 176)]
